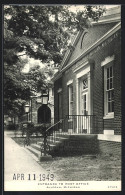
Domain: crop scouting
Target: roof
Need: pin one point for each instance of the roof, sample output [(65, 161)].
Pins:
[(85, 39)]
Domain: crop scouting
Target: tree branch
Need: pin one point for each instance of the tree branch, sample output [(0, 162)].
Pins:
[(21, 55)]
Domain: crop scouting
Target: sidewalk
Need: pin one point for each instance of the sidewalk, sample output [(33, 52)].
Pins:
[(21, 171)]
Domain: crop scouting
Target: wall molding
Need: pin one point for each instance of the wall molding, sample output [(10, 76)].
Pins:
[(99, 44), (59, 90), (70, 82), (108, 60), (106, 137)]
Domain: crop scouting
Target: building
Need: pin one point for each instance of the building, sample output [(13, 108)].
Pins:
[(87, 87), (38, 111)]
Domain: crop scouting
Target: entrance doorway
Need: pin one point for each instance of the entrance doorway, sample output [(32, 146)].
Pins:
[(83, 122), (84, 112), (44, 114)]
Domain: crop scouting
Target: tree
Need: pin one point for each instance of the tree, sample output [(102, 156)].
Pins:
[(41, 32)]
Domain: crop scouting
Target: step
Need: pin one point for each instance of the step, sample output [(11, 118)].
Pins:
[(69, 145), (38, 147), (36, 152), (53, 142), (58, 138), (50, 142)]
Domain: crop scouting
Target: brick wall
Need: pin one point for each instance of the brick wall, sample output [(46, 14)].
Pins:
[(112, 48), (109, 148), (57, 85), (35, 107), (94, 33), (108, 124), (117, 90)]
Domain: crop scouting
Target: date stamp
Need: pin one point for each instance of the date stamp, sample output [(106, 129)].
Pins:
[(33, 177)]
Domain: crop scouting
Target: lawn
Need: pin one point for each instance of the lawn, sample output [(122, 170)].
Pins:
[(82, 168)]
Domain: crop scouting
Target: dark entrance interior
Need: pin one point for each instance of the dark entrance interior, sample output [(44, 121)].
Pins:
[(44, 114)]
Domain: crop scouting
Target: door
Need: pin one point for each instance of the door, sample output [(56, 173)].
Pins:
[(44, 114), (85, 103), (84, 112)]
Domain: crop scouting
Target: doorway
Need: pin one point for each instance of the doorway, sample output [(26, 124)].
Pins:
[(83, 121), (44, 114)]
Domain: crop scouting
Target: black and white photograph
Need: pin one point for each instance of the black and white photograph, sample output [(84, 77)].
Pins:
[(62, 97)]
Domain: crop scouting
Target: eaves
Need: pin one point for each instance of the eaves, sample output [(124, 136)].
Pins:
[(98, 42)]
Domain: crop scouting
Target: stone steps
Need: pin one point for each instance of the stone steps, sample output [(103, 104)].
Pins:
[(36, 152), (68, 145)]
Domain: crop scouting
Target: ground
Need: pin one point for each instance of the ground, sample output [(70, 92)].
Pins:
[(83, 168)]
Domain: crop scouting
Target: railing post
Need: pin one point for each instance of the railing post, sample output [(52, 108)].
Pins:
[(45, 144), (45, 147)]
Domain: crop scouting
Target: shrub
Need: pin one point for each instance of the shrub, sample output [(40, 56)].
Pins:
[(12, 127)]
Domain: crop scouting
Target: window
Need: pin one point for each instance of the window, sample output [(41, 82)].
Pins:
[(59, 105), (84, 104), (110, 90), (108, 87), (71, 99), (85, 83)]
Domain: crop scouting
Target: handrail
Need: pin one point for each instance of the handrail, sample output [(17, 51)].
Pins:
[(80, 124), (54, 124), (81, 115)]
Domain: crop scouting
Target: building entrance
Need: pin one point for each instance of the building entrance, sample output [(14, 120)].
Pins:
[(83, 122), (44, 114)]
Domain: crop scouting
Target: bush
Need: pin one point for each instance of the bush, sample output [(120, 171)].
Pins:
[(12, 127), (41, 128), (27, 126), (37, 128)]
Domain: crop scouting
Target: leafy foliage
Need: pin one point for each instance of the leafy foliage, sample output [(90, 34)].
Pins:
[(41, 32)]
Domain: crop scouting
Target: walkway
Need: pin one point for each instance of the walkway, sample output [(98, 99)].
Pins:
[(21, 171)]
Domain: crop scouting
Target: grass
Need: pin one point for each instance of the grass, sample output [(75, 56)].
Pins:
[(82, 168)]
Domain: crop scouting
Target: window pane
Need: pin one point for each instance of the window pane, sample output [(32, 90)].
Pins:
[(112, 106), (108, 96), (112, 94), (109, 90), (108, 84), (85, 83), (110, 101), (108, 106), (107, 72), (70, 99), (84, 97), (111, 72), (71, 93)]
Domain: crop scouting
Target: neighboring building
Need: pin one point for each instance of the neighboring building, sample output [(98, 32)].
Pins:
[(38, 112), (87, 88)]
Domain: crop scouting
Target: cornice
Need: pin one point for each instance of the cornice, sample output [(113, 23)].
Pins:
[(57, 76), (95, 45), (68, 53), (116, 19)]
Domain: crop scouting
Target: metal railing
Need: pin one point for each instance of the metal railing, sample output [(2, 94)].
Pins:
[(72, 124), (85, 124)]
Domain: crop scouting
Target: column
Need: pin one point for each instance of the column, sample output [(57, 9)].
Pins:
[(77, 101)]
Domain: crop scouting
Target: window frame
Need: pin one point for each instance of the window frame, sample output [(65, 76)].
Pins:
[(70, 87), (70, 98), (107, 63)]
